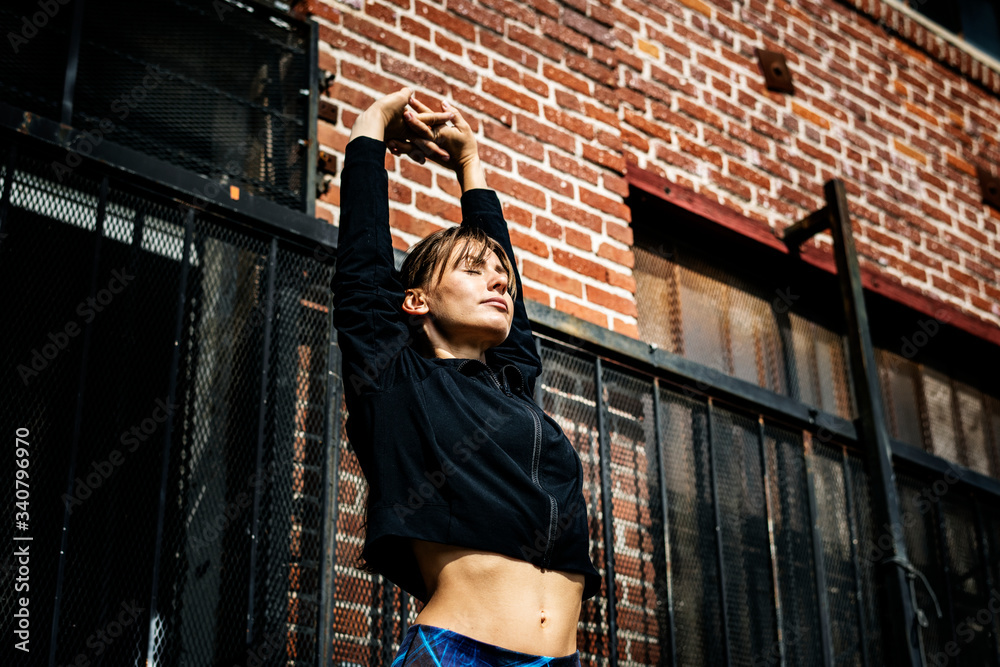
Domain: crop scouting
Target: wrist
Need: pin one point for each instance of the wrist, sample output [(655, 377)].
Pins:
[(371, 123), (470, 174)]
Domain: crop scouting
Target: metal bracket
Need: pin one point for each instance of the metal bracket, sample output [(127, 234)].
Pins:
[(807, 227), (989, 186), (777, 76)]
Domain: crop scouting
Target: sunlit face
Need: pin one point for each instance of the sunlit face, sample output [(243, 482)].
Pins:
[(471, 305)]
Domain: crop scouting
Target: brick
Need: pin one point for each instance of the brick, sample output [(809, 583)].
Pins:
[(624, 257), (578, 215), (531, 127), (809, 115), (537, 43), (610, 206), (542, 178), (479, 103), (699, 112), (698, 6), (631, 330), (584, 313), (376, 33), (555, 279), (569, 122), (566, 79), (452, 69), (476, 14), (562, 34), (609, 159), (579, 239), (516, 141), (698, 151), (614, 302), (527, 242), (909, 151), (510, 96), (516, 189), (549, 228), (572, 166), (499, 45), (405, 70), (407, 223)]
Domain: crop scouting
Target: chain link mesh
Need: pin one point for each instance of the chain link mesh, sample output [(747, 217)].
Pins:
[(235, 570), (693, 307)]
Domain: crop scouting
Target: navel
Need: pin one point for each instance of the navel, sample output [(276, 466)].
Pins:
[(542, 617)]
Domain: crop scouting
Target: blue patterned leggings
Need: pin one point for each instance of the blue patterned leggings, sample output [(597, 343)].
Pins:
[(429, 646)]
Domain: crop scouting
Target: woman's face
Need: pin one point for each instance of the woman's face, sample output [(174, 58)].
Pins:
[(471, 305)]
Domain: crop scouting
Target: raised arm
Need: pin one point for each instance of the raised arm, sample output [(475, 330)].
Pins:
[(481, 208), (367, 291)]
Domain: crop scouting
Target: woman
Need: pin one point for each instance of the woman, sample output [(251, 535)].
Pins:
[(475, 503)]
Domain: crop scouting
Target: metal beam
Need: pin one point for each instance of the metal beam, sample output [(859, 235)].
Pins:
[(807, 227), (607, 509), (175, 361), (900, 618), (661, 469), (717, 519)]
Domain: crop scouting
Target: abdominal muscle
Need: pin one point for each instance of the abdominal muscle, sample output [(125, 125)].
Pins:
[(500, 600)]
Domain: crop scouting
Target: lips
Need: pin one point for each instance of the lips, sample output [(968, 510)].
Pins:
[(499, 301)]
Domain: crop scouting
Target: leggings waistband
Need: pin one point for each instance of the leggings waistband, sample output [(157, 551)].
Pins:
[(431, 646)]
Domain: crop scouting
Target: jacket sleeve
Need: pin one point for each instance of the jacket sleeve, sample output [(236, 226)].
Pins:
[(481, 207), (367, 290)]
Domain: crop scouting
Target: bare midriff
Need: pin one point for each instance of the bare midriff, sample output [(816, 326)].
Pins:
[(500, 600)]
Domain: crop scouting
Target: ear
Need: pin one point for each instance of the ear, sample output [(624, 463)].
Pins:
[(415, 302)]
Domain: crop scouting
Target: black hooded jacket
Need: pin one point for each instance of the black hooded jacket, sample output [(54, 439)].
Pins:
[(454, 450)]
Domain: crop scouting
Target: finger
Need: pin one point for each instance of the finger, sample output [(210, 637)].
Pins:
[(417, 125), (459, 119), (417, 104), (429, 147)]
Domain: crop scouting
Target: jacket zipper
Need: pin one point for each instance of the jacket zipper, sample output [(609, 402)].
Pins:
[(535, 458)]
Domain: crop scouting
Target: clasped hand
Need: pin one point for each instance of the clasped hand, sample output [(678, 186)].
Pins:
[(412, 128)]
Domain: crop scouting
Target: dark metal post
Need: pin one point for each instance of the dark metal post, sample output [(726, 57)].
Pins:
[(312, 145), (872, 432), (773, 549), (72, 63), (855, 542), (168, 435), (713, 464), (608, 511), (819, 560), (330, 500), (661, 470), (984, 553), (8, 181), (81, 387), (265, 367)]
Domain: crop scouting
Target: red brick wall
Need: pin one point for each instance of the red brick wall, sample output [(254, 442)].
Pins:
[(566, 97)]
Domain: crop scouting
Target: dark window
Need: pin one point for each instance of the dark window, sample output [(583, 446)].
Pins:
[(975, 21)]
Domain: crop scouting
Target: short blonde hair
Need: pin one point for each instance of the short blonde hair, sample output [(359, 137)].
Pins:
[(428, 257)]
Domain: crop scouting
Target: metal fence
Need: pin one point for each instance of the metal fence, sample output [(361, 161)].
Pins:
[(218, 87), (169, 366)]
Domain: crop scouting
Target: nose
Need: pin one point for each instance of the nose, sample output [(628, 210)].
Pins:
[(499, 280)]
